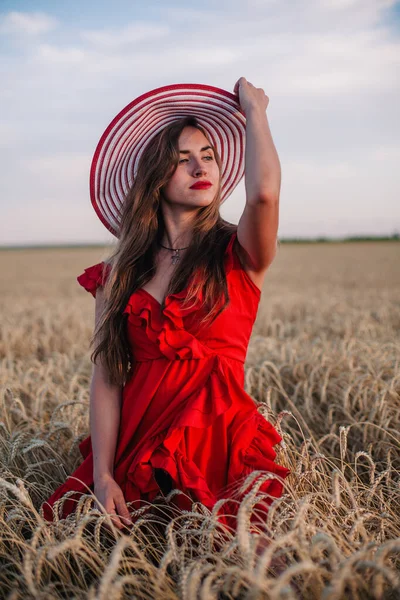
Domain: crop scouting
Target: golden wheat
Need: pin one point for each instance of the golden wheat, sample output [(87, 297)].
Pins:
[(323, 366)]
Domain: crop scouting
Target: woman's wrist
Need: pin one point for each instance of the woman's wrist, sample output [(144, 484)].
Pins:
[(256, 112), (102, 476)]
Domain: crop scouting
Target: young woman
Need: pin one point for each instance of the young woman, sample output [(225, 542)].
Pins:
[(176, 302)]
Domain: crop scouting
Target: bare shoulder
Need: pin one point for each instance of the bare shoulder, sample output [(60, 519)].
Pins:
[(257, 277)]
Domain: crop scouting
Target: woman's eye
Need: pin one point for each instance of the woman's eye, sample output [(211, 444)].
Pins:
[(185, 159)]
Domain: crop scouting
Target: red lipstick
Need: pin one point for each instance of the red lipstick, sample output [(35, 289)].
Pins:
[(201, 185)]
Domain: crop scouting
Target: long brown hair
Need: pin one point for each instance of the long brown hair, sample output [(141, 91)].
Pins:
[(132, 264)]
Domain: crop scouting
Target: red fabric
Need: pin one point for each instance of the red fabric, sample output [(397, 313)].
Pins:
[(93, 277), (184, 408)]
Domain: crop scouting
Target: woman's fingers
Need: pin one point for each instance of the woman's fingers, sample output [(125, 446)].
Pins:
[(236, 86), (112, 514), (123, 510), (250, 96), (111, 501), (116, 520)]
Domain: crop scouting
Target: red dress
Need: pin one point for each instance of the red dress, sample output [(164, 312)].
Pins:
[(184, 408)]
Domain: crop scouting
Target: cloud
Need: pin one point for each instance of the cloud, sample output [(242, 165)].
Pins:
[(128, 35), (60, 168), (311, 15), (54, 55), (328, 65), (329, 69), (357, 194), (370, 10), (99, 60), (31, 24)]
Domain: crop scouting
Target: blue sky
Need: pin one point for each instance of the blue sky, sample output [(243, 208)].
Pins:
[(329, 67)]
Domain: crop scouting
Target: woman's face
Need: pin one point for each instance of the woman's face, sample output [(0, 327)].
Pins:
[(196, 163)]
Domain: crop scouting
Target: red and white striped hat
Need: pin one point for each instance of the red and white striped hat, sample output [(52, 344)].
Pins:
[(115, 161)]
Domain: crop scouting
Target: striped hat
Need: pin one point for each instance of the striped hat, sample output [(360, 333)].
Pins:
[(116, 158)]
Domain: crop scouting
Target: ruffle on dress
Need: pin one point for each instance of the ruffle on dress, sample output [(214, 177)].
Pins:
[(94, 276), (169, 448), (166, 328)]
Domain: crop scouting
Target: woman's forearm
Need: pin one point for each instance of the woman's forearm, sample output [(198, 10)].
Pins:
[(105, 414), (262, 165)]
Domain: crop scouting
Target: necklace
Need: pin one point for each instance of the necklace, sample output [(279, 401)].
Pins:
[(175, 257)]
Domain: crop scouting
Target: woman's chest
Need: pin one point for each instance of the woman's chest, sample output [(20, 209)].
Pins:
[(158, 285)]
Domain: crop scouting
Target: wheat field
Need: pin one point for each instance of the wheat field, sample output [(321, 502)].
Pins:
[(323, 366)]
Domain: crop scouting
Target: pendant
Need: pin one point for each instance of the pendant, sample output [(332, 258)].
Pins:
[(175, 257)]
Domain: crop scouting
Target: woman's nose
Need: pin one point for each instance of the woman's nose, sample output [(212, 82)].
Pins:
[(200, 169)]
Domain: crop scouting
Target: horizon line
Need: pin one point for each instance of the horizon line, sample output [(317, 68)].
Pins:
[(287, 239)]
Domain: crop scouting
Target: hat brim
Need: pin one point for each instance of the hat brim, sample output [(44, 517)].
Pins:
[(115, 161)]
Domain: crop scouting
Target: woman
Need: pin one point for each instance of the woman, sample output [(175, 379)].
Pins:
[(176, 303)]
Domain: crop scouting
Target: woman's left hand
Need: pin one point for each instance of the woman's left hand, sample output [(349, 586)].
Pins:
[(250, 97)]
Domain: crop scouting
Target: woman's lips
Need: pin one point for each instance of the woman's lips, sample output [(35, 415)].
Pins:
[(200, 186)]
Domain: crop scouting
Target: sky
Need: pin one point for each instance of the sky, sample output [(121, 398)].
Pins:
[(330, 69)]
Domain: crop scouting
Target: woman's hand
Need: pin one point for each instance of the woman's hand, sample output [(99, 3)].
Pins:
[(250, 97), (108, 492)]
